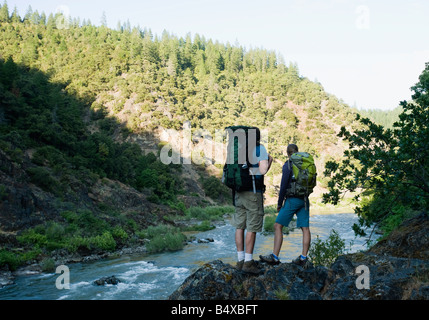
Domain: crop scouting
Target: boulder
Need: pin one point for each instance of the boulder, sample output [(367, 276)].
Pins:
[(6, 277), (219, 281), (107, 280)]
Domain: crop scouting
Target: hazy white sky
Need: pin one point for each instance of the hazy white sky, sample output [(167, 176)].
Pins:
[(366, 52)]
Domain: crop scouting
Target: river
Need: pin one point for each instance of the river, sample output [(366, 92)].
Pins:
[(156, 276)]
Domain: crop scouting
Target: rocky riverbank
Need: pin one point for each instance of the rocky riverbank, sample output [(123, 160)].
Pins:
[(63, 257), (396, 268)]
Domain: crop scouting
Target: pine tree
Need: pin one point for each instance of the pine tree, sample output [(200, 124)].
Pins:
[(103, 19), (27, 17), (35, 17), (15, 16), (9, 72), (4, 13)]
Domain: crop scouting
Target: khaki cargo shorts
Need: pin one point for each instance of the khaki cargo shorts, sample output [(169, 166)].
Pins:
[(249, 211)]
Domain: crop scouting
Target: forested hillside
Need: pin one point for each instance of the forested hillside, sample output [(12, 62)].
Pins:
[(83, 108), (145, 82), (386, 118)]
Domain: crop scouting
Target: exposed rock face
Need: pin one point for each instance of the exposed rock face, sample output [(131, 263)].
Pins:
[(410, 240), (397, 268), (107, 280), (21, 204), (390, 278)]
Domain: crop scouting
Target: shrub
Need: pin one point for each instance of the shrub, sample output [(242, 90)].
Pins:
[(177, 205), (42, 177), (48, 155), (14, 259), (9, 258), (219, 211), (282, 294), (324, 253), (119, 233), (215, 189), (89, 223), (197, 213), (272, 209), (152, 231), (76, 242), (33, 237), (166, 242), (397, 215), (103, 242), (163, 238), (209, 213), (54, 231), (269, 221), (80, 230), (48, 265)]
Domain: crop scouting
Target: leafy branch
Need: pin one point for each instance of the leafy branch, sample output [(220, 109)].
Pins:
[(388, 165)]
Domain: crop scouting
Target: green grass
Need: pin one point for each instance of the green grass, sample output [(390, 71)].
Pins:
[(269, 221), (282, 294), (80, 230), (14, 259), (209, 213)]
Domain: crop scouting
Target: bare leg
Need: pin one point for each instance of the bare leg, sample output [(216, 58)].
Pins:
[(278, 238), (306, 239), (239, 239), (250, 241)]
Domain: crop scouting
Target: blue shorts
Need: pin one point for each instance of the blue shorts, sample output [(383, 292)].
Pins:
[(297, 206)]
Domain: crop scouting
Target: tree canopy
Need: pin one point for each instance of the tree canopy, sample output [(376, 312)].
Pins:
[(388, 167)]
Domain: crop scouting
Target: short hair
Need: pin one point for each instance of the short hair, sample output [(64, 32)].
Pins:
[(291, 149)]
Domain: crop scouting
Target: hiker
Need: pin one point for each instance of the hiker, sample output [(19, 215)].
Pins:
[(294, 204), (249, 209)]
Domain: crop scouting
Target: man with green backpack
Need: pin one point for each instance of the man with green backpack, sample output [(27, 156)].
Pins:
[(298, 181)]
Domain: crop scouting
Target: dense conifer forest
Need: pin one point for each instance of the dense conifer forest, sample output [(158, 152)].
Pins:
[(65, 82)]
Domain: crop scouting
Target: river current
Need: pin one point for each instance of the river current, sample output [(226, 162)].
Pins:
[(156, 276)]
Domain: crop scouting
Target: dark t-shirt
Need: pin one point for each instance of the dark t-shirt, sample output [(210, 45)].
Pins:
[(285, 184)]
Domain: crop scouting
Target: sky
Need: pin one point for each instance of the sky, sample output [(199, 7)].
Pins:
[(368, 53)]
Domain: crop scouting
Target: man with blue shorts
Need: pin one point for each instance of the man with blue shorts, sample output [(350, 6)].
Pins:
[(293, 205)]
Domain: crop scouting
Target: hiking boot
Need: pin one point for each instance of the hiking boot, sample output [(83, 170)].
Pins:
[(239, 265), (269, 259), (251, 267), (302, 263)]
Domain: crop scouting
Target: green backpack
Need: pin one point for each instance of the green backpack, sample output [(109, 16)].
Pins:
[(236, 175), (304, 175)]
